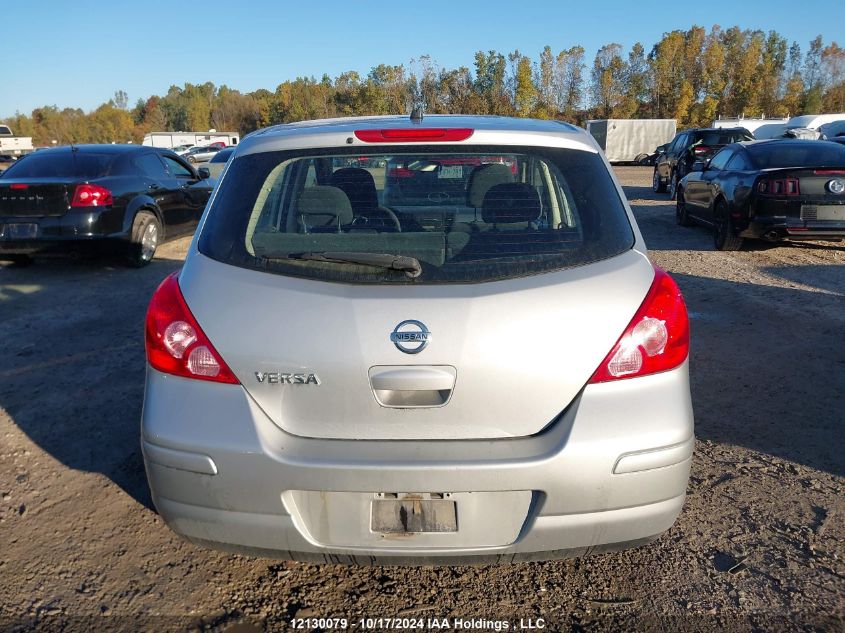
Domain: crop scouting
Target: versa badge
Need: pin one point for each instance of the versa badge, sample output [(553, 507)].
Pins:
[(276, 378)]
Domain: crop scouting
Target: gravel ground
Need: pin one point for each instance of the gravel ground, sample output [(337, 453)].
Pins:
[(759, 546)]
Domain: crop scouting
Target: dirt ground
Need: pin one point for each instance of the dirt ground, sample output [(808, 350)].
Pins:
[(759, 546)]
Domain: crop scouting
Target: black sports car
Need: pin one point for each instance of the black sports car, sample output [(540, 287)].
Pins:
[(772, 190), (82, 198)]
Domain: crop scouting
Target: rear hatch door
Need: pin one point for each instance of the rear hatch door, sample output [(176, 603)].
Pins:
[(318, 357)]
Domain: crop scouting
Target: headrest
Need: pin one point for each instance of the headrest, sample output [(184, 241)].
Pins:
[(510, 203), (324, 206), (484, 177), (359, 186)]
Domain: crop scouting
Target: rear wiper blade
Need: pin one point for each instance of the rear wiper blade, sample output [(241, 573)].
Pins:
[(411, 265)]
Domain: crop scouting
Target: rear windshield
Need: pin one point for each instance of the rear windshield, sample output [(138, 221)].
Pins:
[(792, 154), (222, 156), (86, 165), (722, 137), (465, 214)]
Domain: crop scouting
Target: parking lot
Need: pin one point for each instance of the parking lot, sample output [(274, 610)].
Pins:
[(759, 545)]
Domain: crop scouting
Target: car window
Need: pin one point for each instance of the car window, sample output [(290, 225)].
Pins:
[(63, 164), (150, 165), (722, 137), (796, 153), (176, 168), (679, 143), (721, 159), (738, 162), (222, 156), (468, 214)]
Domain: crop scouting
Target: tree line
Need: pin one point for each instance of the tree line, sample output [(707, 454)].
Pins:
[(693, 76)]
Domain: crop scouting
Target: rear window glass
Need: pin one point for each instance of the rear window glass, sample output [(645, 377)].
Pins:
[(465, 214), (87, 165), (222, 156), (797, 154), (717, 137)]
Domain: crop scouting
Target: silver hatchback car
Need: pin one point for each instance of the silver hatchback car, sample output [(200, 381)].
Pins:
[(418, 341)]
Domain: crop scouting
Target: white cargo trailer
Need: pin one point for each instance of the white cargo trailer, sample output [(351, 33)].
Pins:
[(626, 140), (175, 139)]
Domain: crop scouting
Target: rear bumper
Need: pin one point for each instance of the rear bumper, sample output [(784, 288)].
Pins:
[(782, 218), (611, 472), (549, 537), (68, 233), (793, 229)]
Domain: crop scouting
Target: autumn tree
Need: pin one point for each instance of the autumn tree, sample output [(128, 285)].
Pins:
[(636, 82), (525, 92), (570, 72), (692, 75), (490, 81), (833, 66), (792, 96), (813, 79), (608, 80)]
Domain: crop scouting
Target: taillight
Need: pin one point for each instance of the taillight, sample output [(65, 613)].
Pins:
[(399, 172), (18, 185), (700, 149), (88, 195), (175, 343), (779, 187), (414, 135), (656, 339)]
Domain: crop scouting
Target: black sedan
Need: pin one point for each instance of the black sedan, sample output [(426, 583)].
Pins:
[(771, 190), (75, 199)]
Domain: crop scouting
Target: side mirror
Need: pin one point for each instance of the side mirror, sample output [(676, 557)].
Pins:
[(204, 173), (699, 165)]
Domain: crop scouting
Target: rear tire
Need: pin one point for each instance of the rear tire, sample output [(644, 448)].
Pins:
[(673, 185), (657, 185), (681, 215), (145, 237), (724, 238)]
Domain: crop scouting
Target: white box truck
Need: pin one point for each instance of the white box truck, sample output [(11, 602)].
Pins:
[(175, 139), (631, 140)]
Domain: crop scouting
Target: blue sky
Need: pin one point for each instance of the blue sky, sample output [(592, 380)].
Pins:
[(76, 53)]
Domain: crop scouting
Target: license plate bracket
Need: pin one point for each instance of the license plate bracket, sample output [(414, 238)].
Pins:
[(19, 231), (829, 212), (411, 515)]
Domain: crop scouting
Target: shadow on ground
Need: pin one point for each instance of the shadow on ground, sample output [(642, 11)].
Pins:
[(766, 368), (72, 375)]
